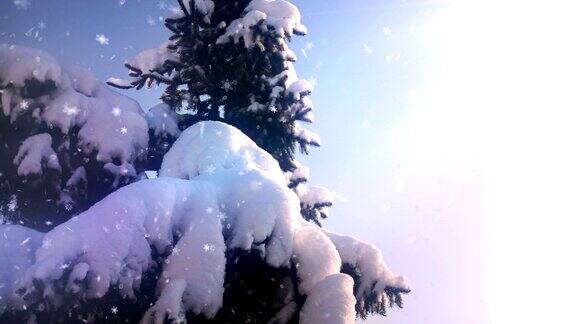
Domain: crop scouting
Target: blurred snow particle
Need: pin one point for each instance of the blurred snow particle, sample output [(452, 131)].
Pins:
[(388, 58), (102, 40), (121, 2), (25, 241), (367, 49), (308, 46), (150, 21), (116, 111), (384, 209), (399, 186), (387, 31), (22, 4), (313, 81)]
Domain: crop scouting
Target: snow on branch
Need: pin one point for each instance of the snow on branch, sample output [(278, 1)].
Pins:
[(279, 16), (110, 124), (35, 153), (378, 288), (217, 191), (149, 66)]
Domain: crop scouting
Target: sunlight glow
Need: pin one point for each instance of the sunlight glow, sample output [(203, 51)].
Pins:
[(504, 99)]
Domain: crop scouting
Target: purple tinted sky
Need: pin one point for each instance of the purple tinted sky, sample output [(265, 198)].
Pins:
[(424, 211)]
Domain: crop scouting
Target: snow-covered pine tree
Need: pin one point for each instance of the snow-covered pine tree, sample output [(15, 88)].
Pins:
[(230, 61), (219, 236), (66, 139), (160, 249)]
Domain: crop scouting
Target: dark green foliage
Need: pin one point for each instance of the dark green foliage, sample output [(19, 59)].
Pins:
[(213, 81)]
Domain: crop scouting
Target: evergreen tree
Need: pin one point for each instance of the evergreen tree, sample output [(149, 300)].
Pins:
[(230, 61), (67, 140), (141, 251)]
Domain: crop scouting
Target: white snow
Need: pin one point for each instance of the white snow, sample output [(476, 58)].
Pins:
[(79, 100), (120, 83), (163, 121), (300, 87), (208, 147), (312, 195), (375, 275), (204, 7), (306, 136), (331, 301), (242, 28), (300, 174), (34, 153), (113, 237), (151, 60), (222, 172), (282, 17), (315, 255)]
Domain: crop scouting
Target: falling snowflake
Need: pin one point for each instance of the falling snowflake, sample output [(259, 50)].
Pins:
[(24, 104), (123, 130), (221, 216), (102, 40), (114, 310), (65, 266), (116, 111), (227, 85), (150, 21), (367, 49), (176, 250), (121, 2), (25, 241), (48, 223), (22, 4), (41, 25), (208, 247), (68, 206), (162, 5)]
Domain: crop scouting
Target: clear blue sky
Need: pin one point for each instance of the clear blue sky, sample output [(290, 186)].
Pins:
[(401, 189)]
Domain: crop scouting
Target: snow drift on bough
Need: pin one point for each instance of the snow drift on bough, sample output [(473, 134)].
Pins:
[(217, 191)]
